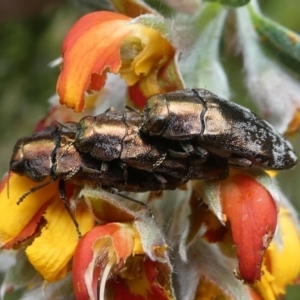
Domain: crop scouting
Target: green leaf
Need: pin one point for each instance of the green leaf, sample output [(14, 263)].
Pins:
[(272, 87), (232, 3), (283, 42)]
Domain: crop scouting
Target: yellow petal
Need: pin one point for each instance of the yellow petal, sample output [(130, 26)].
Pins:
[(13, 217), (208, 289), (264, 287), (53, 249), (282, 262), (285, 262), (155, 51)]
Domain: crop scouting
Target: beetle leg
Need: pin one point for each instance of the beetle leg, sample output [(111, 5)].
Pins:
[(203, 153), (187, 147), (161, 180), (114, 192), (125, 172), (104, 166), (90, 170), (62, 194), (177, 154), (214, 150), (110, 109), (133, 109), (239, 162)]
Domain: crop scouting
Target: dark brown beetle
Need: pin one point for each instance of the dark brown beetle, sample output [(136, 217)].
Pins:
[(52, 153), (200, 118), (115, 135)]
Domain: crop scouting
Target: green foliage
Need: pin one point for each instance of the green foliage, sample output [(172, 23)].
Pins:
[(233, 3)]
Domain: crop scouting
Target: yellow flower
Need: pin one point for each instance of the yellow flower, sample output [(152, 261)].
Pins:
[(42, 219), (282, 261)]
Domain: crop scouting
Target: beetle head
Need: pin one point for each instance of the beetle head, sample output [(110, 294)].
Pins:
[(33, 158), (156, 115), (84, 134), (17, 162), (68, 132)]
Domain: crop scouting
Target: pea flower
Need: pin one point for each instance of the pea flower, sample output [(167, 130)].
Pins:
[(279, 269), (52, 246), (141, 54), (229, 239), (122, 260)]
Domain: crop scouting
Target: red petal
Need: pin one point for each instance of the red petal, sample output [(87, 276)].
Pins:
[(137, 96), (85, 253), (146, 285), (252, 213)]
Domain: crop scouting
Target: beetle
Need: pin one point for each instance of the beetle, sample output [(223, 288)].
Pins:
[(199, 118), (52, 153), (115, 135)]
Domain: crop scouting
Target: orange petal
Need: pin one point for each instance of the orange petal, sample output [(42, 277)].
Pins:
[(18, 222), (91, 47), (253, 215)]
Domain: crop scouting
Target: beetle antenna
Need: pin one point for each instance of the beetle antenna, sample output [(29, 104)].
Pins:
[(133, 109), (65, 126), (32, 190), (7, 184), (114, 192)]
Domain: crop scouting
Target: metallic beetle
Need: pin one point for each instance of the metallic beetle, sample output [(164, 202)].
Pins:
[(115, 135), (52, 153), (199, 118)]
